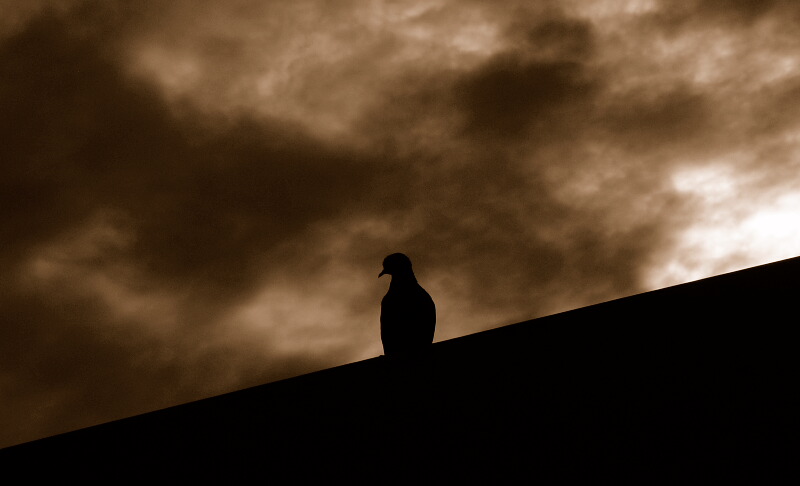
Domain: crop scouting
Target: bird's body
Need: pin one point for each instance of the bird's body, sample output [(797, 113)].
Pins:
[(408, 314)]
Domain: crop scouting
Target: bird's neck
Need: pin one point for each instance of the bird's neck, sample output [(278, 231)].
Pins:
[(401, 279)]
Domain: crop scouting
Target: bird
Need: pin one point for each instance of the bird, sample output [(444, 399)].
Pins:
[(408, 314)]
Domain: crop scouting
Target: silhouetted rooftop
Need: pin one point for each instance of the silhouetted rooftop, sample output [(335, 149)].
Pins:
[(690, 383)]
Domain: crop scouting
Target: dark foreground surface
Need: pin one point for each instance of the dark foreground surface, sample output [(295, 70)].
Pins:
[(695, 383)]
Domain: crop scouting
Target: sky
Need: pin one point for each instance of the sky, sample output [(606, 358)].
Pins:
[(196, 196)]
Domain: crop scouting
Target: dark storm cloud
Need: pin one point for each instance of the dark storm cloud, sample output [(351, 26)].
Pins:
[(509, 96), (650, 119), (560, 38), (203, 202), (551, 103), (487, 213), (538, 86)]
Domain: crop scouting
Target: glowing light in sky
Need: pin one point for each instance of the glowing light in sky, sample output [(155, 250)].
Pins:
[(729, 232)]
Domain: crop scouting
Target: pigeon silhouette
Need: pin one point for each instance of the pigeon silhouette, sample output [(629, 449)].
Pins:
[(408, 314)]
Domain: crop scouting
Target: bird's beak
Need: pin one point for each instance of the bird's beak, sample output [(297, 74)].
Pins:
[(383, 272)]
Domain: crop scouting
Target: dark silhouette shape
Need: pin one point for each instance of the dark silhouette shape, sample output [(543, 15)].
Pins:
[(408, 314), (694, 381)]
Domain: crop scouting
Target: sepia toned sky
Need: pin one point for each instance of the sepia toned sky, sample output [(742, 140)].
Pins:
[(196, 196)]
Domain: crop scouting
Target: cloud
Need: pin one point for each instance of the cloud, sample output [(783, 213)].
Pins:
[(123, 219), (199, 199), (197, 196), (507, 97)]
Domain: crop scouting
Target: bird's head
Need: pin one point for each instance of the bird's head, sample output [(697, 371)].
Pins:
[(396, 264)]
